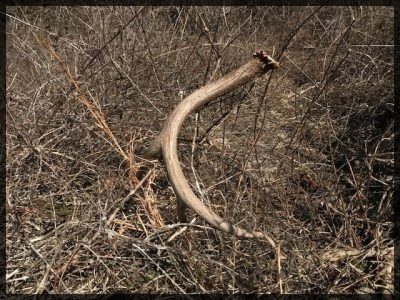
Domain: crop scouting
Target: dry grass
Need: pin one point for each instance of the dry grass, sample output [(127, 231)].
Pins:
[(304, 154)]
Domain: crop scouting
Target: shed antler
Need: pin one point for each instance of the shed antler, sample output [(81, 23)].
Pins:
[(166, 142)]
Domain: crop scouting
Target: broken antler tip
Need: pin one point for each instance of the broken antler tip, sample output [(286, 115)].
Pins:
[(269, 62)]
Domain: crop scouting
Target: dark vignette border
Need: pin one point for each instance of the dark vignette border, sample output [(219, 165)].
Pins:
[(201, 2), (396, 195), (2, 149)]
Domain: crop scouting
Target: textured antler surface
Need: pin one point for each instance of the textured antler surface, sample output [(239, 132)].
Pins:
[(166, 142)]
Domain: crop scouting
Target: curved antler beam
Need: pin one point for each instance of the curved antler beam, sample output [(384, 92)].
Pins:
[(166, 142)]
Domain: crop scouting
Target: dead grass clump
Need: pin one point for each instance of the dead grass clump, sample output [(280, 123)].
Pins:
[(304, 154)]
